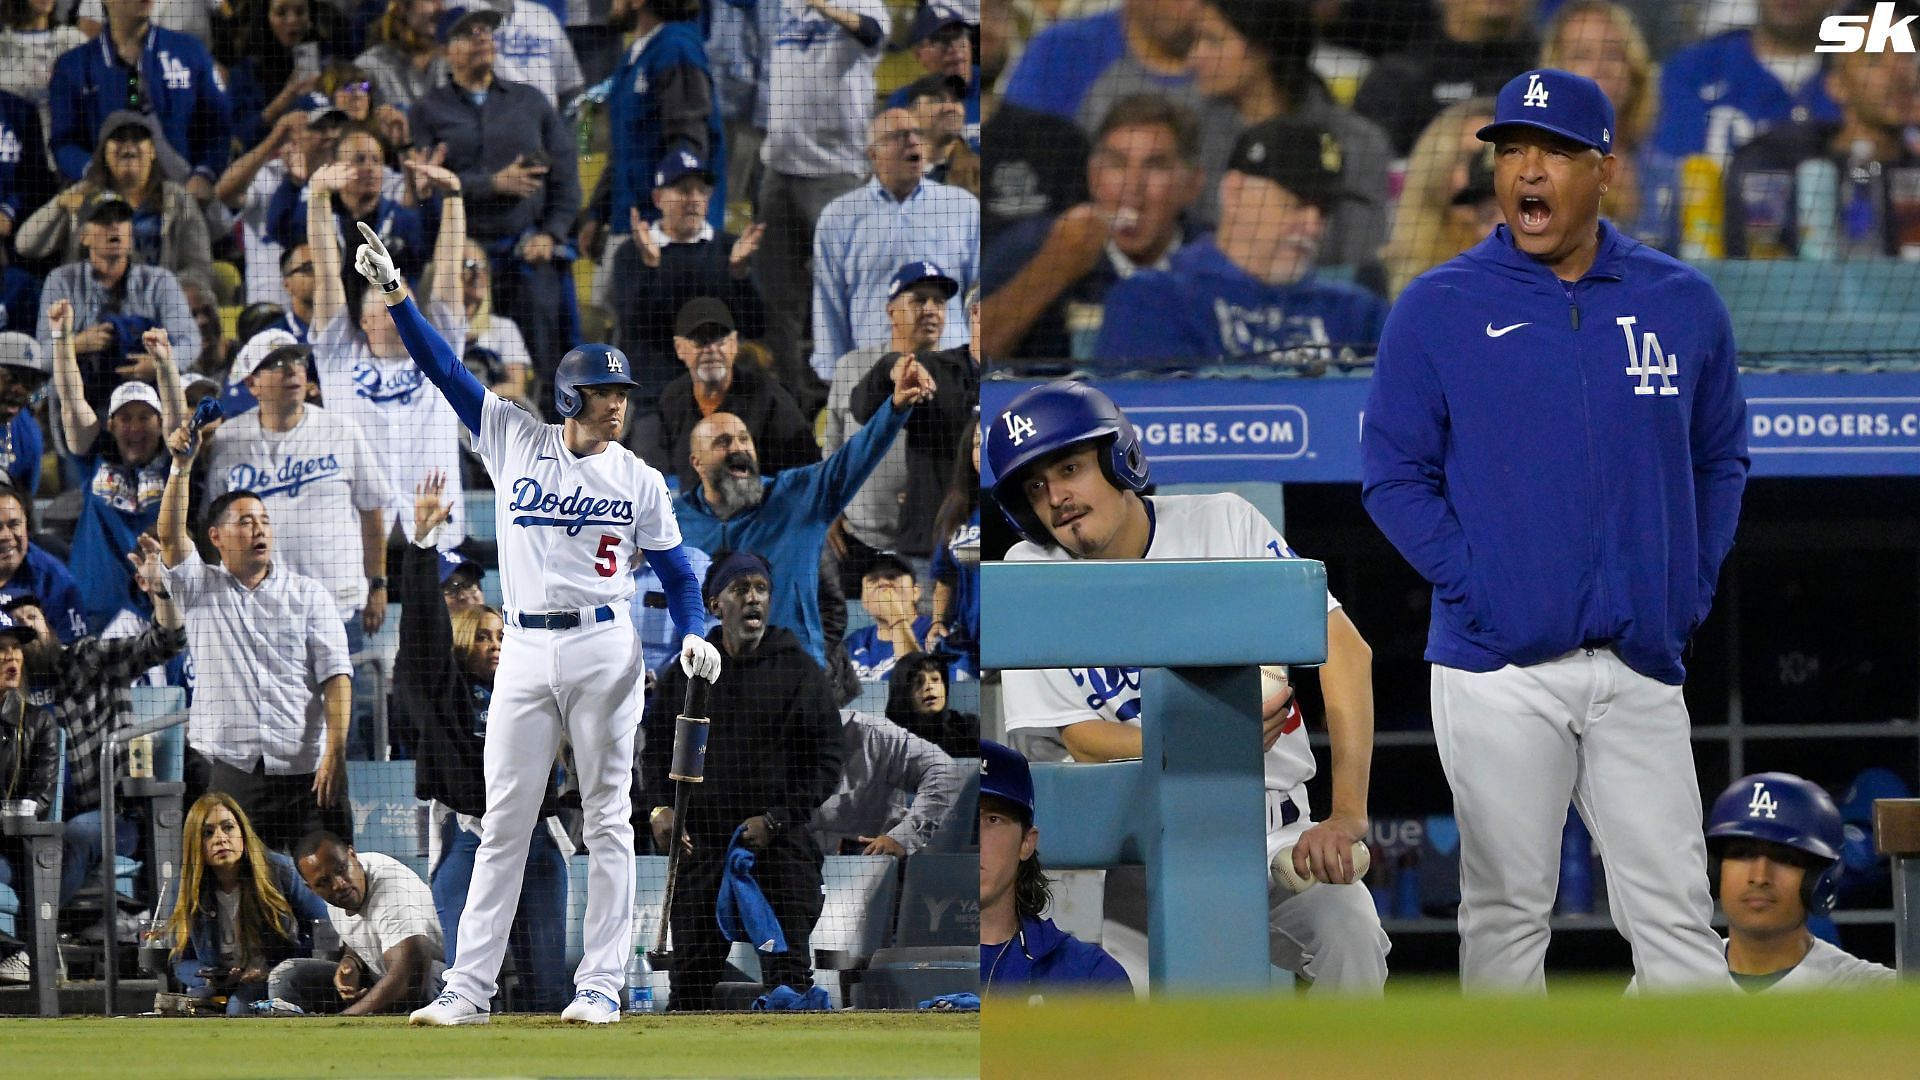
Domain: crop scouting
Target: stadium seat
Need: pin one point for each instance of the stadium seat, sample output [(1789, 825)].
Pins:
[(956, 829), (480, 515), (872, 699), (387, 818), (860, 893), (169, 745), (964, 696), (937, 937)]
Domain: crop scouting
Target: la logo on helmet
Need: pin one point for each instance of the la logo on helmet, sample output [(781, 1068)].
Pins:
[(1762, 802), (1018, 428)]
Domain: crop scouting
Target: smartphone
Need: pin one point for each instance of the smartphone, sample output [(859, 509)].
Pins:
[(538, 159), (306, 60)]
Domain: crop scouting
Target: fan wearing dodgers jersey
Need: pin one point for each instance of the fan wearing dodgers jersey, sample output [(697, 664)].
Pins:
[(575, 514), (1068, 473)]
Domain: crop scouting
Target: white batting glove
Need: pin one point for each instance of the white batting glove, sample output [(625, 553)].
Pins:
[(373, 262), (699, 659)]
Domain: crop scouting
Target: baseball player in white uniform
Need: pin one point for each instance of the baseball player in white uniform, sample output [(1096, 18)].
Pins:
[(1068, 470), (575, 513)]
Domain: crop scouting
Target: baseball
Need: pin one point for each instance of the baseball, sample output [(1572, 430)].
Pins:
[(1283, 868), (1273, 680)]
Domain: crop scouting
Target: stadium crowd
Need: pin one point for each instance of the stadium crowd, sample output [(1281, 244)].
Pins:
[(770, 207)]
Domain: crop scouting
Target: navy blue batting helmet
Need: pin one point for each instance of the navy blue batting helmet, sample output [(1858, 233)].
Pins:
[(588, 365), (1050, 418), (1783, 809)]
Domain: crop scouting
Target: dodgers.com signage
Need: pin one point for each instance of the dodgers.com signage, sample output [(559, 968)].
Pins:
[(1223, 431)]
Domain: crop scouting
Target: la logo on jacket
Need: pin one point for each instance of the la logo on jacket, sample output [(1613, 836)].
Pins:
[(1646, 359)]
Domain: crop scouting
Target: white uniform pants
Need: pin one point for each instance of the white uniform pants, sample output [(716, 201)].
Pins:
[(588, 679), (1516, 744), (1330, 934)]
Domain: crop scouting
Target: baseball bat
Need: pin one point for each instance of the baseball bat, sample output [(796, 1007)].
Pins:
[(689, 767)]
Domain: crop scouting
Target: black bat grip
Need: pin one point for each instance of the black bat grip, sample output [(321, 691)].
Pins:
[(696, 697)]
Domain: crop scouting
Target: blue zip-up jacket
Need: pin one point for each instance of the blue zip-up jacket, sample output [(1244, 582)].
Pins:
[(1042, 954), (183, 89), (663, 100), (789, 527), (1562, 461)]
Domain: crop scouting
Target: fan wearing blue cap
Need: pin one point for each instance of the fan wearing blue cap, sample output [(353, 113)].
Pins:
[(1568, 577), (1021, 950), (1774, 841)]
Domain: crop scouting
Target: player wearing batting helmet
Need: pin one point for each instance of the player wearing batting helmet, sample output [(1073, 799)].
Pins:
[(1070, 474), (1773, 848), (1555, 439), (588, 365), (576, 513)]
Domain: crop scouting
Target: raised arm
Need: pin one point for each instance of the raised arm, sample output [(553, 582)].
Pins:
[(175, 544), (77, 419), (173, 396), (323, 240), (232, 186), (450, 245)]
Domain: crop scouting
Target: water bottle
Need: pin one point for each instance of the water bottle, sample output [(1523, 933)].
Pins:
[(639, 982), (1816, 186), (1863, 233)]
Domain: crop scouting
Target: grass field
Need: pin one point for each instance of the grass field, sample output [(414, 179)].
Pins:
[(1427, 1034), (848, 1044)]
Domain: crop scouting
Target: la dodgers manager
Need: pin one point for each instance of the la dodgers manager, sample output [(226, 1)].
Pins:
[(1555, 439)]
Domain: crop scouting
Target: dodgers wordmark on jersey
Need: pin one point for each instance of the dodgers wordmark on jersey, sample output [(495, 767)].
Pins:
[(570, 527), (405, 417), (1222, 526), (315, 480)]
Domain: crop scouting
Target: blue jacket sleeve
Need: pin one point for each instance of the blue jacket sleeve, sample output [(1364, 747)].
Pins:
[(682, 588), (1402, 455), (435, 357), (71, 140), (1682, 127), (834, 482), (212, 123), (286, 216), (1720, 459)]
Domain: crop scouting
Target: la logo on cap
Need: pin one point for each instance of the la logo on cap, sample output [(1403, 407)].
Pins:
[(1536, 96)]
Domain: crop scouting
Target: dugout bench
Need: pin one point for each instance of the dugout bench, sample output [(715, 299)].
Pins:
[(1192, 810), (1896, 833)]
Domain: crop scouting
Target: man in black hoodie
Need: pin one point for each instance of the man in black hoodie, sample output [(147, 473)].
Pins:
[(773, 756)]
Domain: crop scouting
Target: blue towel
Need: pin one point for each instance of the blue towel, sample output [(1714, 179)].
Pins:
[(784, 998), (743, 910), (952, 1003)]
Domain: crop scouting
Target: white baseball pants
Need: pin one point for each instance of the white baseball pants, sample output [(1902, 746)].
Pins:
[(1516, 744), (1330, 934), (588, 679)]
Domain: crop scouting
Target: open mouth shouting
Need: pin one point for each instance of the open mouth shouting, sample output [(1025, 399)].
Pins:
[(739, 465), (1536, 212)]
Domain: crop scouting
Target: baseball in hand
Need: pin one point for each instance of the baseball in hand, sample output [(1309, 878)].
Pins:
[(1283, 868), (1273, 680)]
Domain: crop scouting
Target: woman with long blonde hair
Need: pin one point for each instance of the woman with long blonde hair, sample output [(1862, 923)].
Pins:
[(1437, 170), (1601, 40), (238, 909)]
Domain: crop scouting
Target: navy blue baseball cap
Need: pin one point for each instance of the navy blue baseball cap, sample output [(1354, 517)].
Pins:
[(916, 272), (1004, 775), (453, 21), (1571, 106), (933, 17), (679, 165), (452, 562), (10, 627)]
